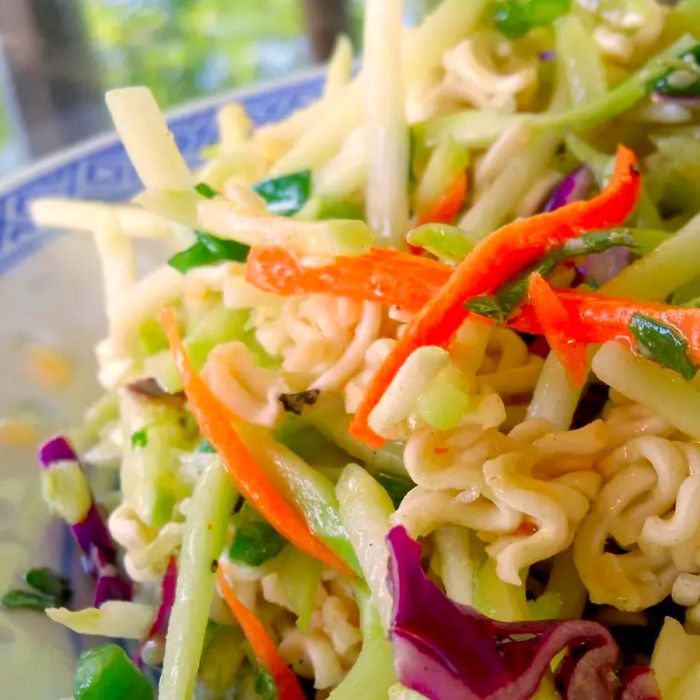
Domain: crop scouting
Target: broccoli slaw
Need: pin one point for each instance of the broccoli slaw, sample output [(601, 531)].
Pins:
[(410, 408)]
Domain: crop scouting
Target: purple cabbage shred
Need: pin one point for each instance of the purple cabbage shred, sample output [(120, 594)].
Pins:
[(575, 186), (91, 534), (448, 651)]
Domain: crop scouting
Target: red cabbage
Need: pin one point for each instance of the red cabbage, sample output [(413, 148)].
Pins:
[(447, 651), (639, 683), (159, 628), (111, 585), (56, 449), (601, 267), (574, 186), (167, 599), (91, 534)]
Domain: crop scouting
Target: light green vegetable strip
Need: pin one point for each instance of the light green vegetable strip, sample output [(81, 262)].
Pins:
[(580, 60), (647, 239), (205, 531), (496, 599), (480, 128), (442, 404), (331, 237), (300, 577), (343, 175), (442, 240), (422, 51), (565, 595), (661, 390), (220, 325), (687, 686), (147, 139), (507, 603), (103, 411), (175, 205), (308, 488), (386, 129), (223, 654), (671, 265), (339, 67), (447, 160), (373, 673), (149, 475), (162, 368), (330, 419), (419, 369), (675, 660), (602, 165), (66, 491), (473, 128), (510, 185), (554, 399), (365, 508), (460, 556)]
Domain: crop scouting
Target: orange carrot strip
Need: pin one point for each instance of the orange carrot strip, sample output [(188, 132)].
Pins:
[(383, 274), (288, 687), (492, 262), (555, 322), (595, 318), (247, 474), (445, 210)]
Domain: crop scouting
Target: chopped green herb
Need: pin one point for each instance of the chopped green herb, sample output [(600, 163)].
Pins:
[(395, 486), (682, 79), (486, 305), (51, 590), (662, 343), (592, 283), (208, 250), (287, 194), (514, 18), (47, 581), (294, 403), (206, 446), (107, 673), (28, 600), (255, 540), (205, 190), (596, 242), (265, 685), (507, 297), (139, 438)]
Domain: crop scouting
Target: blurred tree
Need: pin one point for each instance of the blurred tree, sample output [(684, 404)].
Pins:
[(185, 48)]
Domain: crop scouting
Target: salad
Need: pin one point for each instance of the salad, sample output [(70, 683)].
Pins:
[(410, 409)]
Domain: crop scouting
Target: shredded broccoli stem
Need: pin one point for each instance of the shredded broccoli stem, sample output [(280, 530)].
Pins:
[(205, 530)]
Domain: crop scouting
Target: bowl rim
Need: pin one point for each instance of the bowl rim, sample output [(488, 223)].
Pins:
[(109, 137)]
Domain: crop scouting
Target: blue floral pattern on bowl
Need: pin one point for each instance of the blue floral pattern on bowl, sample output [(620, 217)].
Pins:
[(101, 170)]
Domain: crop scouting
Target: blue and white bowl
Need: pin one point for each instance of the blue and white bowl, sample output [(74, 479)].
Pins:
[(50, 294)]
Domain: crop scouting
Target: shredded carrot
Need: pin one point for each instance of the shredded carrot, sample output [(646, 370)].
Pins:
[(447, 207), (249, 477), (288, 687), (492, 262), (555, 322), (594, 319), (383, 274)]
